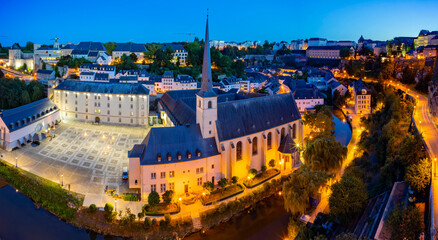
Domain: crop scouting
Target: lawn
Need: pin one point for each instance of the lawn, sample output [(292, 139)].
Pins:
[(261, 178), (44, 192), (160, 209), (222, 194)]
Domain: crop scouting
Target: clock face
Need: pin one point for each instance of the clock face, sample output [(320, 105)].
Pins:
[(38, 127)]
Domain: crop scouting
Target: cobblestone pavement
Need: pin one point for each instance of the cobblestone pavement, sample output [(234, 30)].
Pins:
[(86, 156)]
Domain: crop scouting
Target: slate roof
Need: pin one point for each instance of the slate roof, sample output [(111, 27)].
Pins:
[(47, 48), (326, 47), (99, 87), (307, 92), (101, 77), (93, 53), (185, 79), (172, 46), (91, 46), (287, 145), (334, 84), (130, 47), (44, 71), (240, 118), (15, 46), (79, 52), (29, 113), (173, 141), (87, 73), (359, 85), (98, 67), (69, 46)]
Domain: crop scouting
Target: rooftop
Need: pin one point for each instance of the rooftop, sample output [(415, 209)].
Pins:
[(99, 87)]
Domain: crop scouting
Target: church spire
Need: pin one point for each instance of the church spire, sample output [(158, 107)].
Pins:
[(207, 82)]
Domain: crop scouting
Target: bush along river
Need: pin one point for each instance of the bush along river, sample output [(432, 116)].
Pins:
[(266, 219), (21, 219)]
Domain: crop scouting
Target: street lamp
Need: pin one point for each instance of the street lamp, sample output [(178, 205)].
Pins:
[(16, 162), (62, 180), (115, 205)]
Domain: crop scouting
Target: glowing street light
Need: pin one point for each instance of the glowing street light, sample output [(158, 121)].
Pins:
[(16, 162), (115, 205), (62, 180)]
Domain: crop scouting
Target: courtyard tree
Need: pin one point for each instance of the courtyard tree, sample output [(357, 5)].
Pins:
[(234, 179), (325, 154), (223, 182), (348, 197), (147, 222), (272, 163), (303, 184), (418, 175), (252, 173), (153, 198), (405, 223), (320, 122), (209, 186), (168, 196)]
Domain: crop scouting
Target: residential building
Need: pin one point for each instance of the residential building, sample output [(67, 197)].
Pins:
[(430, 51), (168, 82), (319, 78), (335, 85), (48, 53), (324, 52), (317, 42), (212, 135), (424, 38), (96, 68), (99, 102), (28, 123), (307, 96), (179, 53), (67, 49), (18, 59), (44, 74), (104, 59), (128, 48), (229, 83), (88, 50), (362, 97)]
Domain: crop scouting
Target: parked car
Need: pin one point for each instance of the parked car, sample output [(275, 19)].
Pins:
[(125, 173)]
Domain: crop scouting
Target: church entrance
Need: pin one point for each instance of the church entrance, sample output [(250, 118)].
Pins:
[(186, 188), (97, 120)]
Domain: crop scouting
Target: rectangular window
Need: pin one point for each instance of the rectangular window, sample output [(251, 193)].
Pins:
[(153, 188), (172, 174), (163, 174), (163, 187), (212, 166), (200, 181), (172, 186), (153, 175), (132, 113)]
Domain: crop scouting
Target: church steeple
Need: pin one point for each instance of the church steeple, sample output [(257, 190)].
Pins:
[(207, 82)]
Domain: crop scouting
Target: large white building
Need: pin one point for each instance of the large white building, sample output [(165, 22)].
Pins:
[(109, 103), (28, 123), (18, 59), (128, 48), (96, 68), (212, 135), (362, 97), (169, 82), (178, 52)]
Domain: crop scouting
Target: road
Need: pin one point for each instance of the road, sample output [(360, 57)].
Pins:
[(14, 73), (428, 130)]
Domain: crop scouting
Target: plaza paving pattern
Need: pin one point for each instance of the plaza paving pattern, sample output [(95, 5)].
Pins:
[(86, 156)]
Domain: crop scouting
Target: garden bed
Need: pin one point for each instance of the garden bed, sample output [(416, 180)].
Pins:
[(44, 192), (222, 194), (161, 209), (261, 178)]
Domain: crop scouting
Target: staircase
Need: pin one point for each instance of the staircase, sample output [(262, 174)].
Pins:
[(197, 223)]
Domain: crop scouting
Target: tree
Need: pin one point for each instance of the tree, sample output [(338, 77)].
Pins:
[(344, 52), (133, 57), (234, 179), (110, 47), (167, 218), (405, 223), (346, 236), (108, 208), (2, 75), (252, 173), (209, 186), (153, 198), (92, 208), (25, 98), (147, 222), (127, 217), (264, 168), (223, 182), (272, 163), (303, 184), (418, 175), (348, 197), (43, 66), (411, 149), (320, 122), (140, 215), (168, 196), (325, 154), (29, 46)]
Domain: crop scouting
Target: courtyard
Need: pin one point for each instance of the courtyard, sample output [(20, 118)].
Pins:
[(82, 156)]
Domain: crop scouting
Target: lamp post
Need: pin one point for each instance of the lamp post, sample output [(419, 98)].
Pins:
[(115, 205), (16, 162), (62, 180)]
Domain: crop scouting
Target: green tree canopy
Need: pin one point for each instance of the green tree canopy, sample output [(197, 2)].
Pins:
[(325, 154), (418, 175), (320, 122), (348, 197), (153, 198), (405, 223), (303, 184), (110, 47)]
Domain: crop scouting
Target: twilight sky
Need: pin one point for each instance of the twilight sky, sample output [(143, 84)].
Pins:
[(144, 21)]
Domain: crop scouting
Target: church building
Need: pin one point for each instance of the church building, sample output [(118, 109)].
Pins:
[(212, 134)]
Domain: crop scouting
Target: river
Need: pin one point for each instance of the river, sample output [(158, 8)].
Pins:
[(20, 219)]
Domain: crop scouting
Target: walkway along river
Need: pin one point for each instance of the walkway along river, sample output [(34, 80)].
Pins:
[(20, 219)]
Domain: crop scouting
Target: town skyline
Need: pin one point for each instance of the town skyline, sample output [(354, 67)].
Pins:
[(294, 20)]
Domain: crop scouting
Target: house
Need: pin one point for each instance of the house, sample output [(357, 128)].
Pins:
[(362, 97), (430, 51), (319, 78), (128, 48), (28, 123), (212, 134), (88, 50), (178, 52), (307, 96), (43, 74), (18, 59), (103, 102), (67, 49), (96, 68), (317, 42), (104, 59), (168, 82), (337, 86), (425, 38), (229, 83), (48, 53)]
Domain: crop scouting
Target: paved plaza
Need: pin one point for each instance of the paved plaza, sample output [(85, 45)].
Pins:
[(84, 155)]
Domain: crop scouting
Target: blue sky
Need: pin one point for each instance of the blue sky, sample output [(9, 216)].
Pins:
[(165, 21)]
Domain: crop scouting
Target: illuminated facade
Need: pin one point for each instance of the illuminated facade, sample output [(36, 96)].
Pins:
[(109, 103), (212, 134), (362, 97)]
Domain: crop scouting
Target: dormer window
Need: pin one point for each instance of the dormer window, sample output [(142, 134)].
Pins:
[(198, 153), (11, 125), (364, 91), (189, 155), (169, 157), (159, 158), (179, 156)]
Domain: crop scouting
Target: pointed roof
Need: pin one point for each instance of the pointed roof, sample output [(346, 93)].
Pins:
[(361, 39), (207, 82), (287, 145), (15, 46)]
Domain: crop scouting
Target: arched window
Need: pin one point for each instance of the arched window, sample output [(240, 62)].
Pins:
[(199, 103), (269, 140), (254, 146), (210, 104), (282, 133), (294, 131), (239, 151)]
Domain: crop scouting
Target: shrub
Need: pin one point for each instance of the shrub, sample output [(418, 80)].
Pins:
[(147, 222), (264, 168), (167, 218), (130, 197), (252, 173), (223, 182), (272, 163), (168, 196), (153, 198), (209, 186), (163, 223), (234, 179), (109, 208), (140, 215), (154, 222), (92, 208)]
